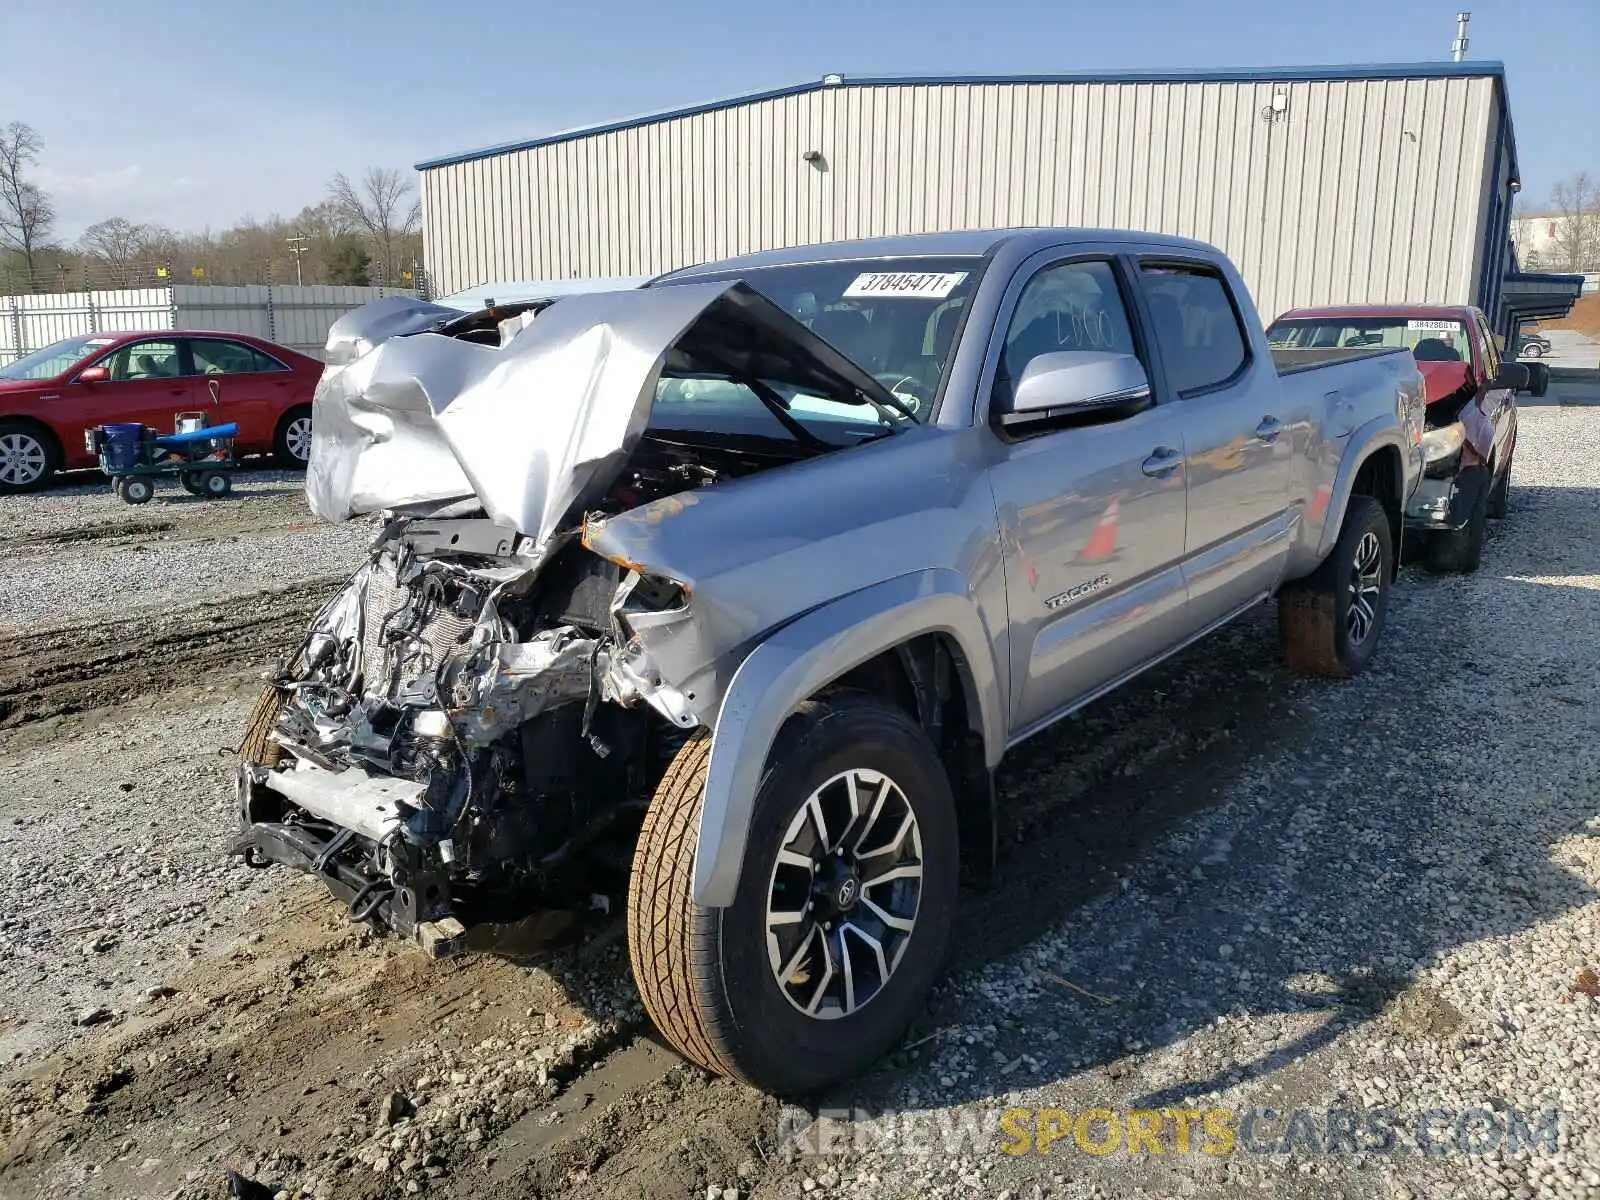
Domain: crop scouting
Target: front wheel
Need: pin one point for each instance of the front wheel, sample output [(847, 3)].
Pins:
[(291, 444), (843, 908), (1329, 623), (136, 490), (1500, 494)]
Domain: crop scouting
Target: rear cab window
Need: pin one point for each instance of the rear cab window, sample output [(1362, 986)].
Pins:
[(1198, 331), (1430, 339)]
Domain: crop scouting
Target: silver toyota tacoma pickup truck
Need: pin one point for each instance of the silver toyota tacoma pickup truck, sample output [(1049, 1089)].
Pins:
[(735, 588)]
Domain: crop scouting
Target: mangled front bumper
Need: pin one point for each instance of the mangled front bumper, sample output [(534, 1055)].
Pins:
[(1443, 505)]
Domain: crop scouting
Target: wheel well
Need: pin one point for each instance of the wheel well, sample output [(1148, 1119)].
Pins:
[(1380, 477), (928, 678), (47, 435)]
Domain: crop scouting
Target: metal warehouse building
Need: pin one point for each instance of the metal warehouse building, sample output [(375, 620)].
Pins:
[(1325, 184)]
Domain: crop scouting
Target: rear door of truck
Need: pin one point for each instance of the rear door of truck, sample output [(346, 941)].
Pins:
[(1239, 428)]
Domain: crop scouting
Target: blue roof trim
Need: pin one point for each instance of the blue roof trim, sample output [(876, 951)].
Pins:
[(1209, 75)]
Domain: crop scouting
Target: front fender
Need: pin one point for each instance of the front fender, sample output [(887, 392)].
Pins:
[(799, 659)]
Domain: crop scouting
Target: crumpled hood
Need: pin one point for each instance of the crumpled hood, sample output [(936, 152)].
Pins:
[(537, 428)]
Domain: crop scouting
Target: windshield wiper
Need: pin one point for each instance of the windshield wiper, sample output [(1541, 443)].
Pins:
[(774, 403)]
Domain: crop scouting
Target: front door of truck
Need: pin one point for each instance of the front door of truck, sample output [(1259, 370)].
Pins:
[(1240, 433), (1091, 515)]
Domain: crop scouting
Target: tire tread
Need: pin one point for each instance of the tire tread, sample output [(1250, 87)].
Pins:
[(669, 962)]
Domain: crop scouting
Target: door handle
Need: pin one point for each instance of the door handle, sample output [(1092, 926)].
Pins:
[(1269, 429), (1161, 463)]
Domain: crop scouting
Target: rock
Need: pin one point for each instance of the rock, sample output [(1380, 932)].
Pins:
[(98, 1015), (393, 1108), (159, 992)]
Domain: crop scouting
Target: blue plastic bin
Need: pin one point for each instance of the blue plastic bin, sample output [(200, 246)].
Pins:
[(122, 445)]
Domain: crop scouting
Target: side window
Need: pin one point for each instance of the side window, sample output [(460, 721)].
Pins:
[(1072, 306), (144, 360), (1491, 352), (1198, 333), (215, 357)]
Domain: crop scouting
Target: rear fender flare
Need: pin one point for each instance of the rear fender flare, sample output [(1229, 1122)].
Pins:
[(800, 659), (1364, 443)]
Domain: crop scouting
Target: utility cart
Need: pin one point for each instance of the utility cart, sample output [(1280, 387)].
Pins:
[(200, 456)]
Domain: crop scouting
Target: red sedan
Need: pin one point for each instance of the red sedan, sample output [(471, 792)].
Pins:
[(50, 397)]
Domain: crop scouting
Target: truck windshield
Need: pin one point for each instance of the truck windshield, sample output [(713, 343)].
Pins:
[(894, 317), (1429, 340), (55, 359)]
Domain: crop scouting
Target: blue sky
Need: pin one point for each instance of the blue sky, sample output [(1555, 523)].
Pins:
[(196, 112)]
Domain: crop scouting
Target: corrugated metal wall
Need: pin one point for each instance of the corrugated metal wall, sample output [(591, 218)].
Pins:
[(1360, 190), (293, 315), (290, 314)]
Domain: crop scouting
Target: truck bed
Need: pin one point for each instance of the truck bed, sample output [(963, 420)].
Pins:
[(1289, 362)]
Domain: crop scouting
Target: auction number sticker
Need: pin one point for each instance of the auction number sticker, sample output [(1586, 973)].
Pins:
[(934, 285), (1436, 326)]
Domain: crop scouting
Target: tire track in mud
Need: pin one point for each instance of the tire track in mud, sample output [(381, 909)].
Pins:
[(103, 531), (103, 663)]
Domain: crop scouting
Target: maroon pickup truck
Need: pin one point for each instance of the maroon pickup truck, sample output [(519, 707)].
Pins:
[(1471, 397)]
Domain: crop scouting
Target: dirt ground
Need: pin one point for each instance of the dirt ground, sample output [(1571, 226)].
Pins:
[(168, 1015), (1584, 317)]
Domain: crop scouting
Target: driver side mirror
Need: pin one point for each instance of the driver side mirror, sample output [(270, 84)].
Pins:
[(94, 375), (1514, 376), (1068, 383)]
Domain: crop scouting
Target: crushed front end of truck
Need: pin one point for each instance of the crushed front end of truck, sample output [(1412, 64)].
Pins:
[(469, 732)]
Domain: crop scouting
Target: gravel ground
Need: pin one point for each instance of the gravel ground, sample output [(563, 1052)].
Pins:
[(78, 552), (1391, 911), (1280, 893)]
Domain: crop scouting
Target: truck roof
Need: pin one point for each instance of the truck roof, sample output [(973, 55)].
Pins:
[(1432, 312), (956, 243)]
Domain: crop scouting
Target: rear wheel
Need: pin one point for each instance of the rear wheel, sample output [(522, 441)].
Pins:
[(842, 913), (1462, 549), (214, 483), (291, 445), (28, 457), (1329, 623), (191, 482)]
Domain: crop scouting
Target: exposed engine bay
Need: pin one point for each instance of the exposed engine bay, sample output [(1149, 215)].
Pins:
[(475, 724)]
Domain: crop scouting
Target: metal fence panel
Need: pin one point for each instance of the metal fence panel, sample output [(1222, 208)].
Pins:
[(289, 314)]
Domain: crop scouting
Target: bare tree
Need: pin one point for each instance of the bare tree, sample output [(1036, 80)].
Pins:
[(1576, 204), (116, 241), (381, 207), (26, 213)]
